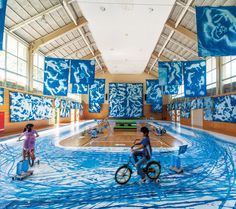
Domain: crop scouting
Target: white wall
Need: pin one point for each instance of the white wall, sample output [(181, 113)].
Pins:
[(197, 117)]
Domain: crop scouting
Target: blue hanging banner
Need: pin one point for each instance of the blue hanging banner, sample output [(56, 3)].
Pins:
[(216, 31), (125, 100), (170, 90), (1, 96), (57, 103), (56, 73), (3, 5), (94, 107), (96, 95), (134, 108), (152, 90), (117, 100), (195, 78), (79, 88), (170, 73), (82, 71)]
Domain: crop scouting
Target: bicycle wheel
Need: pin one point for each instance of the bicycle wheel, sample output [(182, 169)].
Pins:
[(153, 170), (31, 162), (123, 174)]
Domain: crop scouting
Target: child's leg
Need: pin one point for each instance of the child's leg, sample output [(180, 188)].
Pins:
[(24, 153), (32, 154)]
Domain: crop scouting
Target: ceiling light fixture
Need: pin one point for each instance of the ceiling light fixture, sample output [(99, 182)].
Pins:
[(103, 9), (151, 9)]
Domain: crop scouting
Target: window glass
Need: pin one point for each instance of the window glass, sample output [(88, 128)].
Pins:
[(35, 61), (2, 59), (12, 77), (40, 75), (11, 63), (41, 62), (22, 51), (2, 75), (11, 45), (22, 81), (22, 67)]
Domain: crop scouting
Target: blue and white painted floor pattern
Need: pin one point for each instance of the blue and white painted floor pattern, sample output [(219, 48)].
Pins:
[(84, 177)]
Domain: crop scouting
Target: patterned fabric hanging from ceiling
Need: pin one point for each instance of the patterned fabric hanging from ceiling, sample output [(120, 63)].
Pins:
[(216, 31), (56, 73), (195, 78)]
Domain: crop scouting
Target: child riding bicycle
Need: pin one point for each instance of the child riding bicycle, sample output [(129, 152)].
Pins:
[(142, 149), (29, 141)]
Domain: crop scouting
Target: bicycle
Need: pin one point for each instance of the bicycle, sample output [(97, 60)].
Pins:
[(31, 157), (123, 174)]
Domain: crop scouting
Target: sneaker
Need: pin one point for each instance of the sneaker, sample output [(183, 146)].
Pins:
[(143, 180)]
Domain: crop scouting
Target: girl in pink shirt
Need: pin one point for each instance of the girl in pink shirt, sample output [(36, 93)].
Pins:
[(29, 141)]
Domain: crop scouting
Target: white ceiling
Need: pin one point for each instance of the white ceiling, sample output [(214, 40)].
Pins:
[(126, 31)]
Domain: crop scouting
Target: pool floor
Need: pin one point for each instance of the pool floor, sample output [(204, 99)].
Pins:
[(84, 177)]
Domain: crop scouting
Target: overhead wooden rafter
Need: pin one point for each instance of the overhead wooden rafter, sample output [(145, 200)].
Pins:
[(66, 44), (35, 45), (174, 26)]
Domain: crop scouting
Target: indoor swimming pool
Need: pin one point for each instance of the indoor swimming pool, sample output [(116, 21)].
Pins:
[(84, 177)]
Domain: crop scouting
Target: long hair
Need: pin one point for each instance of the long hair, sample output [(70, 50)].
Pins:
[(29, 127)]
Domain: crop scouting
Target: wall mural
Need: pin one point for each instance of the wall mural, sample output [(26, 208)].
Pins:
[(96, 95), (216, 30), (24, 107), (79, 88), (154, 95), (194, 104), (82, 71), (3, 4), (208, 115), (125, 100), (170, 73), (65, 109), (224, 108), (1, 96), (207, 103), (195, 78), (57, 103), (170, 90), (56, 73), (200, 103)]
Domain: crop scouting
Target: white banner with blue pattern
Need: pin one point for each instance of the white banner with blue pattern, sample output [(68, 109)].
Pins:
[(96, 95), (3, 5), (24, 107), (1, 96), (125, 100), (170, 73), (56, 72), (195, 78), (79, 88), (82, 71), (216, 31), (225, 109)]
